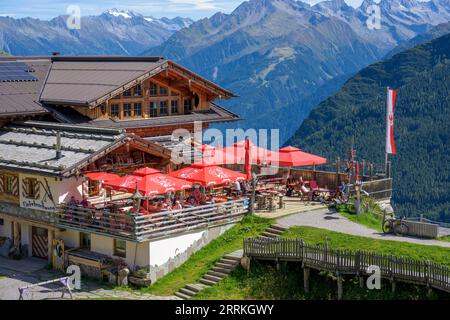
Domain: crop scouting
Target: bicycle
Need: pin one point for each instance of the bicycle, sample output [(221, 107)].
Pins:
[(394, 225)]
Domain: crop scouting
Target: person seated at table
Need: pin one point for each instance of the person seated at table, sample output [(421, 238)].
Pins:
[(291, 180), (85, 202), (177, 205), (73, 201)]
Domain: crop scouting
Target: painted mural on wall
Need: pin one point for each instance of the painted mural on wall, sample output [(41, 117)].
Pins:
[(36, 193)]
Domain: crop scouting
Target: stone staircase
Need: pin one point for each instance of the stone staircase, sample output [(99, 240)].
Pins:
[(224, 266)]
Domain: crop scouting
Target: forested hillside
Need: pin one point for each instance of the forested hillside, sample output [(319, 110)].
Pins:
[(421, 168)]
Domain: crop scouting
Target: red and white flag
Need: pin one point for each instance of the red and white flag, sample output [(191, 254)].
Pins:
[(390, 144)]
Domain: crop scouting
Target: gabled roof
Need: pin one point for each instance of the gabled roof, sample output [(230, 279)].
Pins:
[(91, 80), (21, 98), (29, 146)]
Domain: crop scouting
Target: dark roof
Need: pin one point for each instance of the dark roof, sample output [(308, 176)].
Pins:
[(214, 114), (92, 80), (83, 81), (29, 146), (22, 97)]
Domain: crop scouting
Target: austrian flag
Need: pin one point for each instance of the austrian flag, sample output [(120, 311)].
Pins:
[(390, 145)]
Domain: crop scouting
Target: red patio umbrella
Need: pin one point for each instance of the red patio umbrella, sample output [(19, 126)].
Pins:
[(145, 172), (207, 175), (236, 154), (101, 176), (149, 185), (294, 157)]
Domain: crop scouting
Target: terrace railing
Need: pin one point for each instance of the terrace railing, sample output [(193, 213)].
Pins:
[(353, 262), (139, 227)]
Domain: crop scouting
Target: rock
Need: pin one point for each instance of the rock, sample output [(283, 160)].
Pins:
[(245, 263), (140, 282)]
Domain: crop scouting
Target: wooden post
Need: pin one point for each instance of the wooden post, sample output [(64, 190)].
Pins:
[(361, 281), (338, 166), (306, 273), (339, 287), (394, 285), (363, 169), (388, 169), (371, 171)]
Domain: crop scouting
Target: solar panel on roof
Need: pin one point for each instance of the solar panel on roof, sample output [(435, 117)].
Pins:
[(15, 71)]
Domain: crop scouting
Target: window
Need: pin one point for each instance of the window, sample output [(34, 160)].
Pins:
[(138, 109), (127, 109), (138, 90), (152, 110), (115, 110), (120, 248), (93, 188), (9, 185), (163, 91), (153, 89), (2, 222), (163, 110), (85, 240), (127, 93), (187, 105), (103, 109), (174, 106), (31, 188)]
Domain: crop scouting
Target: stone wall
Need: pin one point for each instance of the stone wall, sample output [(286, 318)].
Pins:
[(158, 271)]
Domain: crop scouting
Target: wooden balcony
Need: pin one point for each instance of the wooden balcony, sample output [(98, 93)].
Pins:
[(139, 228)]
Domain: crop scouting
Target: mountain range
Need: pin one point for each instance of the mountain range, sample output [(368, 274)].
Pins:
[(283, 57), (115, 31), (357, 111)]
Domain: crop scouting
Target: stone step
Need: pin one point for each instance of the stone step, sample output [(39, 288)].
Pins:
[(225, 265), (196, 287), (182, 296), (188, 292), (269, 235), (278, 227), (212, 278), (274, 231), (235, 255), (207, 282), (228, 261), (217, 274), (221, 270)]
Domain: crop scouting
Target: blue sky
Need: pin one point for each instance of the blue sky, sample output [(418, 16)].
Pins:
[(196, 9)]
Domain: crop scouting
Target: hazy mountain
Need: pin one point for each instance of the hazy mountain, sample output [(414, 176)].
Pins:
[(282, 57), (434, 33), (420, 169), (113, 32)]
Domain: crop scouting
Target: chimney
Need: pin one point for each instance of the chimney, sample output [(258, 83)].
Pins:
[(58, 145)]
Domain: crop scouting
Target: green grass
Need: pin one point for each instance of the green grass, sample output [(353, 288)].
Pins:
[(371, 215), (201, 261), (265, 282), (445, 238), (350, 242)]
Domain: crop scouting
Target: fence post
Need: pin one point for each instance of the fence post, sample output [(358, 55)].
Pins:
[(338, 167), (371, 171), (306, 272)]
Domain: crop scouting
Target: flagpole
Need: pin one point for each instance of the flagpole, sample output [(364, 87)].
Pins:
[(387, 132)]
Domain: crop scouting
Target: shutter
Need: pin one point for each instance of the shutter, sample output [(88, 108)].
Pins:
[(15, 186), (2, 182)]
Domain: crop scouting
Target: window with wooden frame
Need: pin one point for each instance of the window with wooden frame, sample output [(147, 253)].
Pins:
[(93, 188), (174, 106), (163, 91), (137, 91), (103, 109), (115, 111), (187, 105), (137, 109), (163, 108), (127, 110), (153, 90), (153, 111), (120, 248), (127, 93), (30, 188), (9, 184)]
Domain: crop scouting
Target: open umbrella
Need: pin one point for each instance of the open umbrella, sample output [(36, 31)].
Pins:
[(294, 157), (207, 175), (149, 185), (101, 176)]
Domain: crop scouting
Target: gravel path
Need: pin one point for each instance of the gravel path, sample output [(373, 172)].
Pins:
[(15, 274), (326, 219)]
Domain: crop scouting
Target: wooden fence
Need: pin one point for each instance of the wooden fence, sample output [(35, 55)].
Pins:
[(138, 227), (341, 262)]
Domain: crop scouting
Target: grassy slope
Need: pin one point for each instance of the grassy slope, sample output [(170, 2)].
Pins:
[(371, 215), (265, 282), (201, 261)]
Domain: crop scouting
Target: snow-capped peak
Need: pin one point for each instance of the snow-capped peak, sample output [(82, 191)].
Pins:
[(127, 14)]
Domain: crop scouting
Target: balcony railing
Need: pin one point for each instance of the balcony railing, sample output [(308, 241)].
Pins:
[(140, 227)]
